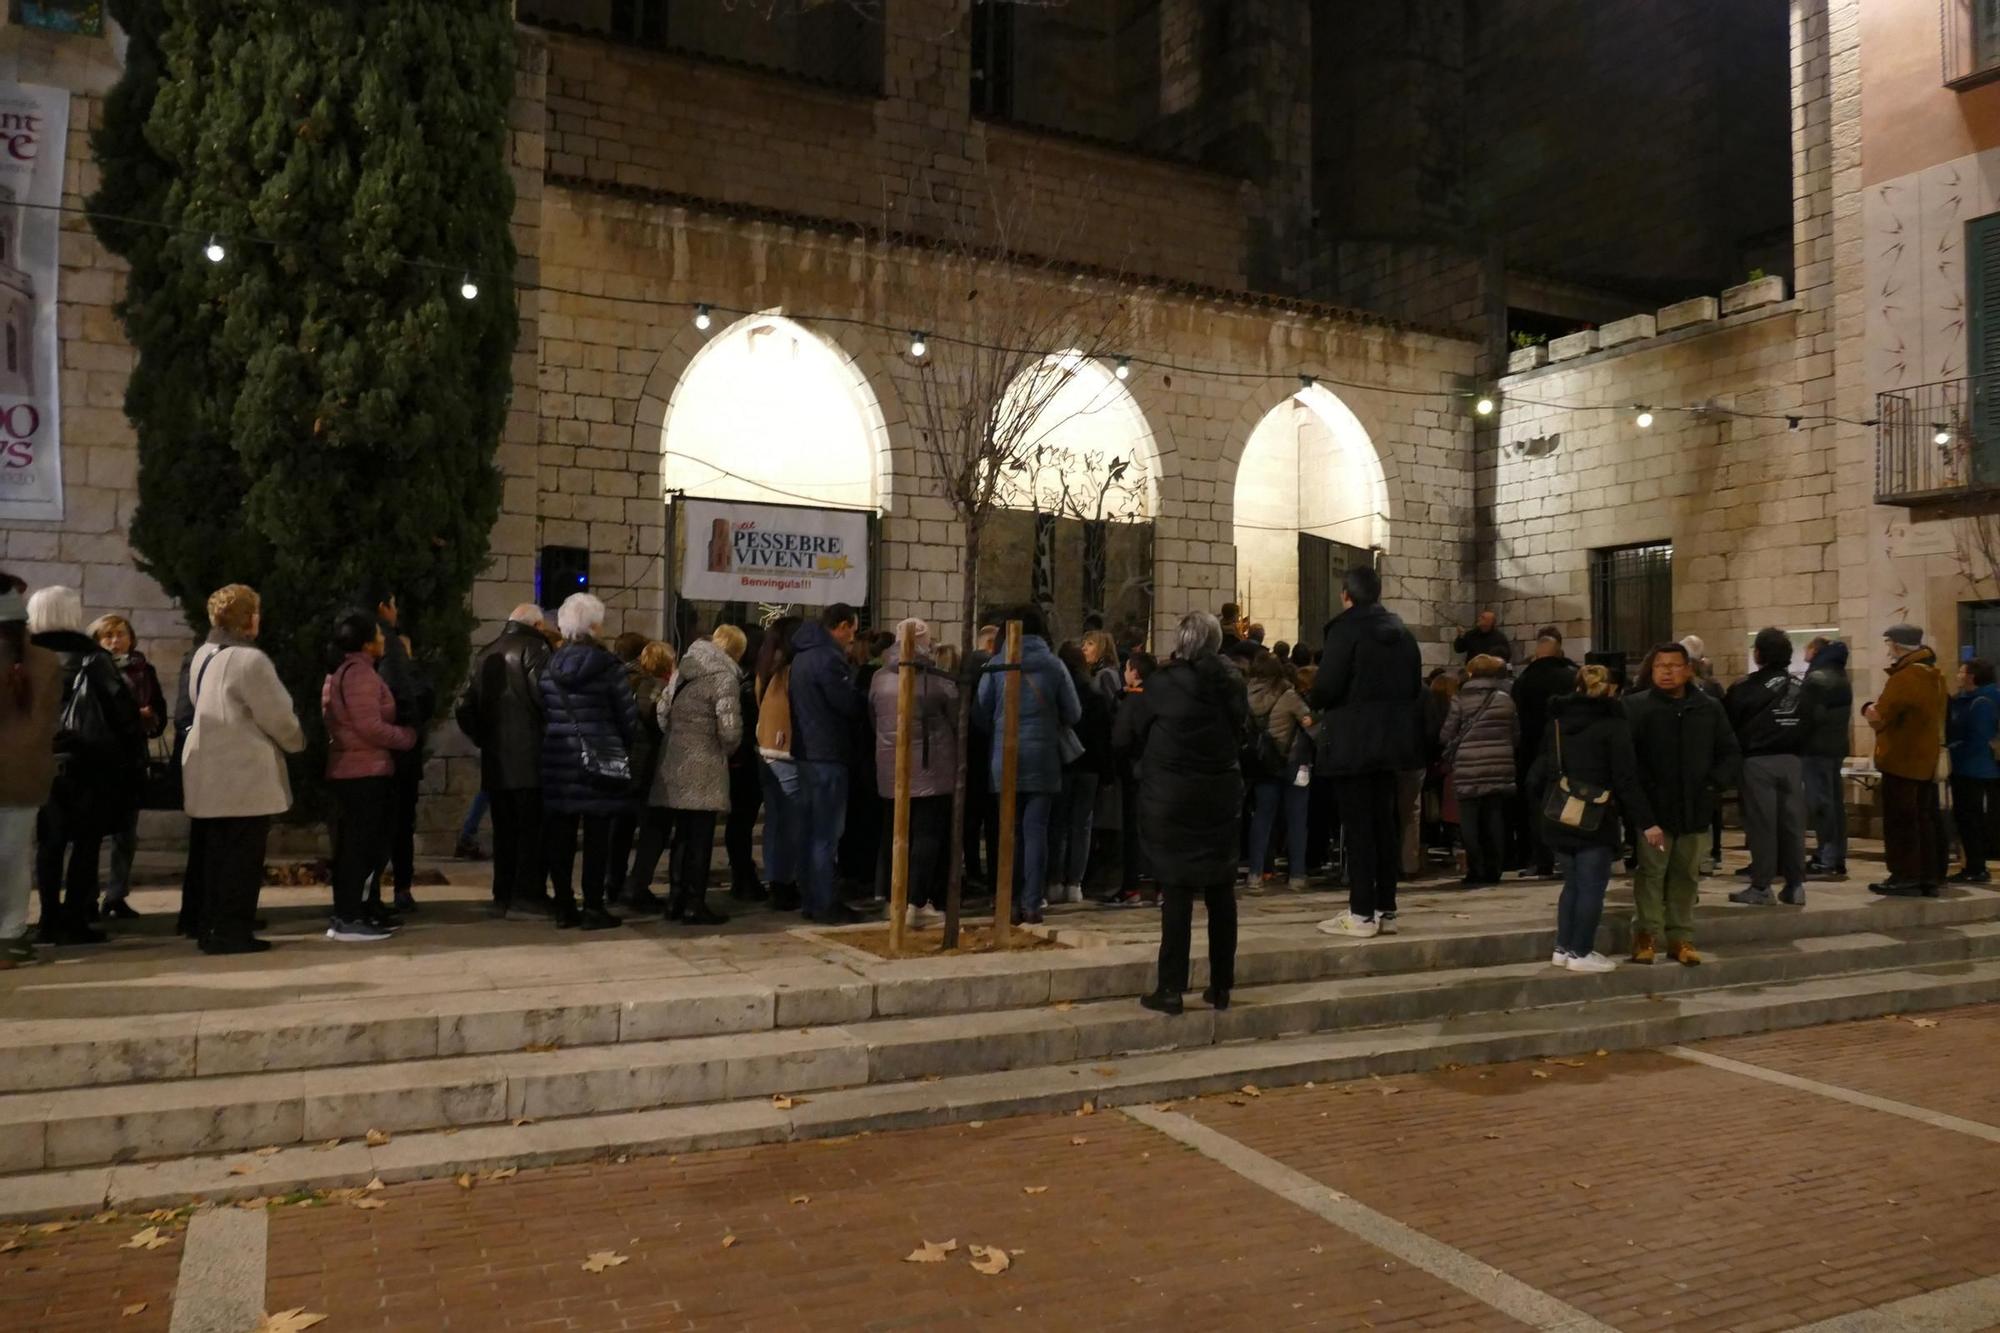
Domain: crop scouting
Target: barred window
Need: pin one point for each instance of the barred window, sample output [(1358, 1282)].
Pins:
[(1632, 598)]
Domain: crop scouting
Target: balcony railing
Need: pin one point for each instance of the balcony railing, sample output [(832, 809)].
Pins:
[(1938, 443)]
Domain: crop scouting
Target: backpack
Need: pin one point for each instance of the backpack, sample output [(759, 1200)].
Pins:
[(1261, 759)]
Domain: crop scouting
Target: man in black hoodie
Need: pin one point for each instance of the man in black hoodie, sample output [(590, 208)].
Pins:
[(1826, 750), (1773, 714), (1484, 639), (1368, 698), (1546, 677)]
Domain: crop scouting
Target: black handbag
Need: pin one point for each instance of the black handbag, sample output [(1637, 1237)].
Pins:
[(609, 771), (1574, 805)]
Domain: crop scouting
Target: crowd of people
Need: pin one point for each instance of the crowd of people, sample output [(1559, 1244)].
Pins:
[(1229, 766)]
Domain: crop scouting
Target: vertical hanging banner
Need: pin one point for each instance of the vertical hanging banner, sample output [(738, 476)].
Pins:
[(34, 131)]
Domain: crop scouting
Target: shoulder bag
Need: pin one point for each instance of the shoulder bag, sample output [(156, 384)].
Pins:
[(1068, 746), (1572, 804), (1465, 729)]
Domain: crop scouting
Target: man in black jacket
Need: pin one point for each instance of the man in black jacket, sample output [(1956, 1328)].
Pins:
[(1368, 698), (1826, 750), (1773, 713), (1484, 638), (502, 714), (1547, 676), (1687, 754)]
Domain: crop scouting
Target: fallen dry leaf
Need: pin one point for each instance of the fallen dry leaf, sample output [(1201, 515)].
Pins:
[(1923, 1022), (271, 1151), (1491, 1135), (728, 1241), (1034, 1189), (1566, 1064), (1106, 1070), (242, 1168), (1088, 1108), (1539, 1073), (147, 1239), (375, 1184), (136, 1307), (1600, 1052), (1234, 1101), (1581, 1184), (990, 1260), (1250, 1090), (376, 1138), (500, 1173), (782, 1102), (975, 1124), (50, 1228), (802, 1198), (931, 1252), (542, 1047), (521, 1120), (9, 1245), (465, 1180), (600, 1260), (1062, 1006), (369, 1205), (1389, 1090), (1078, 1141), (295, 1320), (328, 1146)]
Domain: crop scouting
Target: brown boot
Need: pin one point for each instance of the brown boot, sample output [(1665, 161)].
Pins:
[(1642, 947), (1683, 953)]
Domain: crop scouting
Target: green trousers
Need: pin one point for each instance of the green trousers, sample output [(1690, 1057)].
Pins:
[(1664, 885)]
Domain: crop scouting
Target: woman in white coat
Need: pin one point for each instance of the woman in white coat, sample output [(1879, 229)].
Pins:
[(233, 770)]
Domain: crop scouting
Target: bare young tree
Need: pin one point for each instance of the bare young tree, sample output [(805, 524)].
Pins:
[(1003, 330)]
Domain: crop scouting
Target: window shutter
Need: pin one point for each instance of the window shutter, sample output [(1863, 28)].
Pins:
[(1982, 305)]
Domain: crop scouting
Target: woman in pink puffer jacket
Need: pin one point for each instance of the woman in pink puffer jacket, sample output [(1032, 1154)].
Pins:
[(362, 738)]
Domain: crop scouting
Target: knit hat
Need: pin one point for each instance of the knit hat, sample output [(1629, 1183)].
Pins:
[(1905, 636), (1695, 647)]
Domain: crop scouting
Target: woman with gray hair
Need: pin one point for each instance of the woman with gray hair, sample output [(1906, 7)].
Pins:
[(1186, 734), (586, 759)]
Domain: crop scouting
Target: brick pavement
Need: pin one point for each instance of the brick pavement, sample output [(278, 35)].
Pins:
[(79, 1280), (1949, 1067), (1650, 1192), (1133, 1232)]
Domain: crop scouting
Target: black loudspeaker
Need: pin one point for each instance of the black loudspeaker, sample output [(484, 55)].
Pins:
[(561, 570)]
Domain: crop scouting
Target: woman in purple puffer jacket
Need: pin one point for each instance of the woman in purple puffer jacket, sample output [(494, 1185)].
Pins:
[(362, 740)]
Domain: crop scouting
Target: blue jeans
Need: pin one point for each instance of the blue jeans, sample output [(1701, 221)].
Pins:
[(1031, 851), (1069, 831), (1265, 813), (823, 801), (781, 820), (1586, 874), (124, 846), (474, 816)]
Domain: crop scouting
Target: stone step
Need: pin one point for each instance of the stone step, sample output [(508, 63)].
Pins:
[(1558, 1030), (52, 1054), (175, 1117)]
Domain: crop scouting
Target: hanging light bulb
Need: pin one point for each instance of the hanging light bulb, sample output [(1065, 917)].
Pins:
[(214, 250), (1124, 371), (1940, 436), (917, 344), (1645, 417), (701, 319), (468, 288), (1484, 407)]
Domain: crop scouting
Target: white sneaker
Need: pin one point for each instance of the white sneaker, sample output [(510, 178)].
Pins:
[(1349, 924), (1386, 922), (1299, 884), (1073, 894), (1561, 958), (1592, 962)]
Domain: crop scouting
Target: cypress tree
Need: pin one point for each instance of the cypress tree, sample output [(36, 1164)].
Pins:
[(318, 413)]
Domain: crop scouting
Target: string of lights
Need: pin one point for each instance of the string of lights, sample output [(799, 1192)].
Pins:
[(215, 247)]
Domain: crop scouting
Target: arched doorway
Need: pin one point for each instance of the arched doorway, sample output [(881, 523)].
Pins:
[(771, 411), (1074, 532), (771, 415), (1310, 496)]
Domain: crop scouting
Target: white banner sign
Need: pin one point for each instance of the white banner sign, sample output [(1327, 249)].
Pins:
[(735, 551), (34, 128)]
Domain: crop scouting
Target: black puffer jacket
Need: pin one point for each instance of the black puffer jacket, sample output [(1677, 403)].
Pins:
[(587, 698), (99, 767), (1687, 753), (1185, 733), (502, 709), (1833, 734), (1596, 748), (1368, 695)]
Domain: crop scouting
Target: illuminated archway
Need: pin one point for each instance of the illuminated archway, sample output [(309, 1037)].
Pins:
[(769, 410), (1089, 452), (1309, 467)]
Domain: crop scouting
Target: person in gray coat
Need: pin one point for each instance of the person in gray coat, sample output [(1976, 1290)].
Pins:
[(1049, 708), (1482, 733), (933, 771), (703, 722)]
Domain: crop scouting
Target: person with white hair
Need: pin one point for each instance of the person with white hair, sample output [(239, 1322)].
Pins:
[(501, 713), (587, 777), (1186, 735), (100, 750)]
